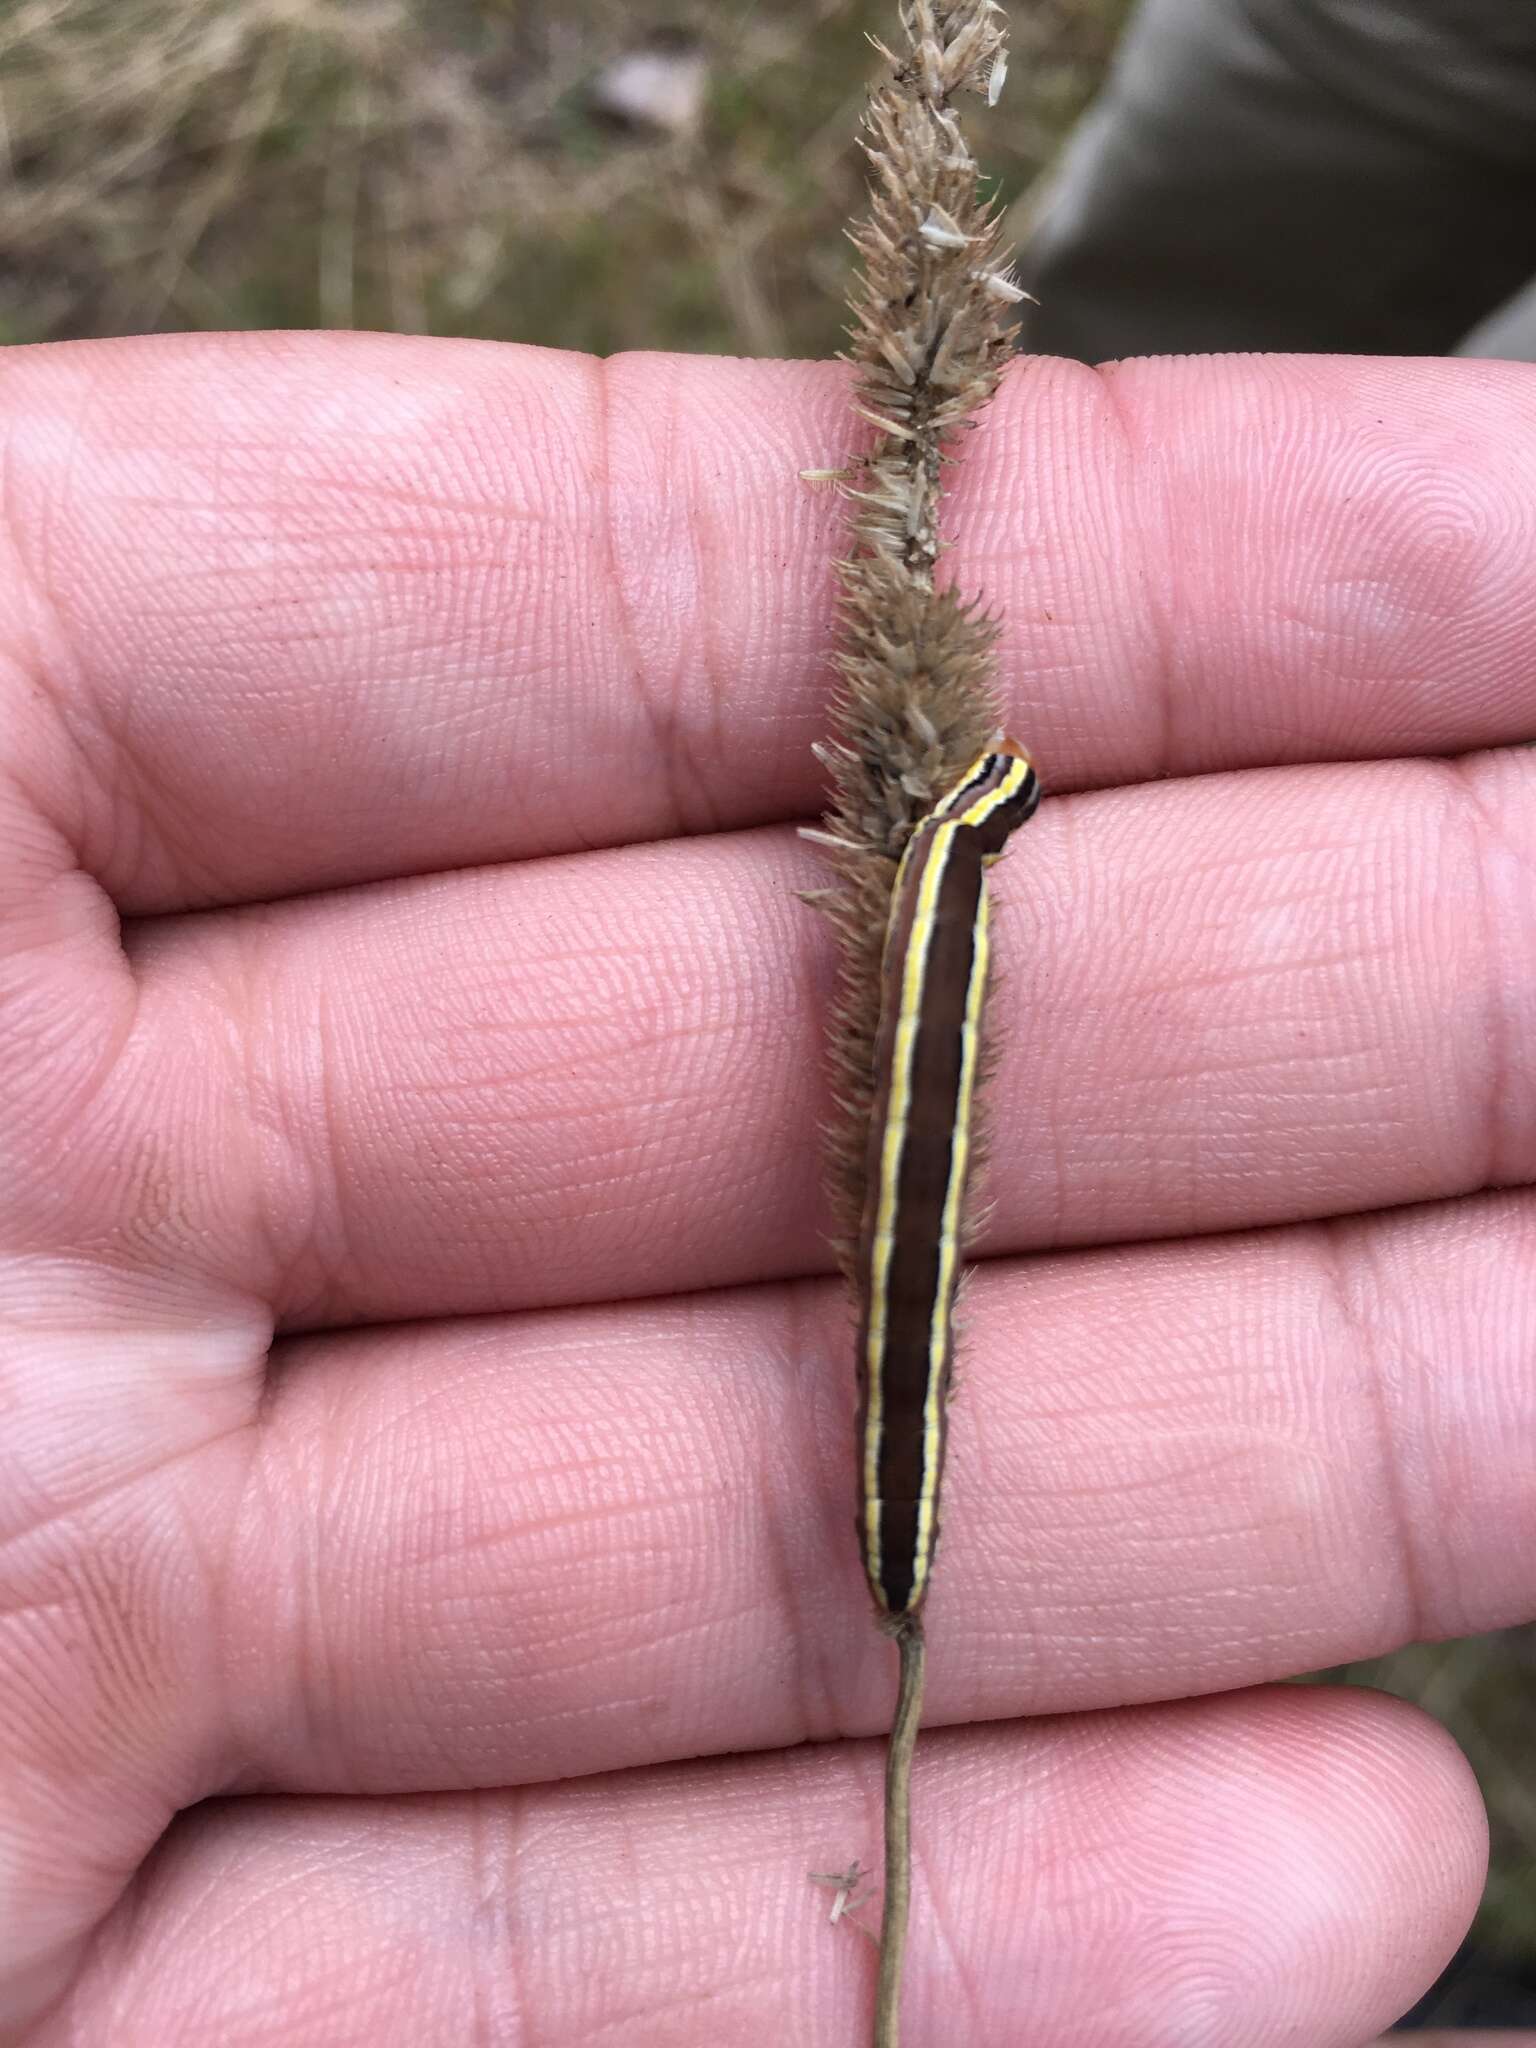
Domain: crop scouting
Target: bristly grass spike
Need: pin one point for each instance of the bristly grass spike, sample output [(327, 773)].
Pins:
[(925, 792)]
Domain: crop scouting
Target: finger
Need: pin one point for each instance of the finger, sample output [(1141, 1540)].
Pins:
[(1282, 1867), (1231, 1001), (1171, 1471), (313, 609), (125, 1398)]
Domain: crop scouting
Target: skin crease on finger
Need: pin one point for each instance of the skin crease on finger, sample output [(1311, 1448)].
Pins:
[(286, 613)]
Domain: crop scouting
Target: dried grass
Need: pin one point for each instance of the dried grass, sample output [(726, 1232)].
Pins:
[(439, 168), (933, 323)]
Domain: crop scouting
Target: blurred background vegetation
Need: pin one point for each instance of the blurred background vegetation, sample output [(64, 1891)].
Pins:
[(441, 166), (603, 175)]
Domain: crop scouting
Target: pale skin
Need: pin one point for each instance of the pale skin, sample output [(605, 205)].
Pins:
[(421, 1372)]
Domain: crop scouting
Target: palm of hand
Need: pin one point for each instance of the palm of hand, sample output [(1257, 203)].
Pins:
[(314, 649)]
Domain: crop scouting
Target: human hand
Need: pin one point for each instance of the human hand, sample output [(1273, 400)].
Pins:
[(328, 662)]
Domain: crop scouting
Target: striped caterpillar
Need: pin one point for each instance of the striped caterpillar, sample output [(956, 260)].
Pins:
[(926, 793)]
